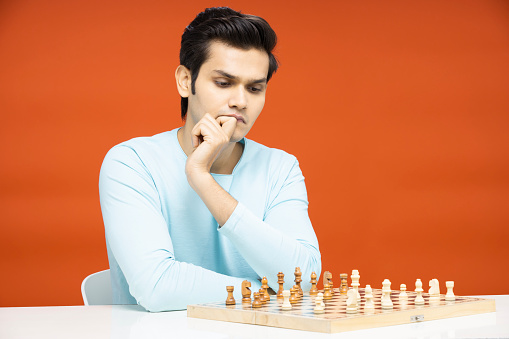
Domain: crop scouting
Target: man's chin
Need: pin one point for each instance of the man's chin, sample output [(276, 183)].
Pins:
[(236, 137)]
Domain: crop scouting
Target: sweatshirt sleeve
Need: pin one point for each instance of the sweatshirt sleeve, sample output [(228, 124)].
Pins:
[(139, 239), (284, 239)]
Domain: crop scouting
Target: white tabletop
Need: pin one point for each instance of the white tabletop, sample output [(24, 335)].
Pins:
[(130, 321)]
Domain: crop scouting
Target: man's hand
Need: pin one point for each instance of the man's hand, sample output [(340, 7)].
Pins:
[(209, 138)]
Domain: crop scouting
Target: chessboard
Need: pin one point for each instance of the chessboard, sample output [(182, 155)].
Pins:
[(335, 319)]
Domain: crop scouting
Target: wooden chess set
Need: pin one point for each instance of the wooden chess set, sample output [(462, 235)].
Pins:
[(340, 309)]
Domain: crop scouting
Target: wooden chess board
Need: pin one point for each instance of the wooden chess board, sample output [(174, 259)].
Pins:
[(335, 319)]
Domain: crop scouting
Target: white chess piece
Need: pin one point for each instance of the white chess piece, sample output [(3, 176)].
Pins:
[(419, 300), (434, 291), (369, 306), (351, 302), (286, 301), (386, 295), (450, 294), (403, 296), (319, 305), (355, 284)]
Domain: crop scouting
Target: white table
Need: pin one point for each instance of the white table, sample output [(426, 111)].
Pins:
[(131, 321)]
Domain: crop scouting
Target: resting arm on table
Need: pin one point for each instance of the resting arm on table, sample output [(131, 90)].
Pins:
[(290, 243), (139, 238)]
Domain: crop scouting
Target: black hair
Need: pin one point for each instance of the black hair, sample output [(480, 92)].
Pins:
[(228, 26)]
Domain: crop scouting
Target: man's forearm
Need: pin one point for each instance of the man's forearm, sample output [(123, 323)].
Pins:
[(219, 202)]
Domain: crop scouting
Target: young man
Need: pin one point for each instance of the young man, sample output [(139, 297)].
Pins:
[(190, 211)]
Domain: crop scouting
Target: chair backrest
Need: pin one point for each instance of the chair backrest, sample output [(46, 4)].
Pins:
[(96, 289)]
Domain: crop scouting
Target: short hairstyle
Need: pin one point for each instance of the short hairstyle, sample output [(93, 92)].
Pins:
[(225, 25)]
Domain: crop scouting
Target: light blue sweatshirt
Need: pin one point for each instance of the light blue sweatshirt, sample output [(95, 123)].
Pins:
[(165, 248)]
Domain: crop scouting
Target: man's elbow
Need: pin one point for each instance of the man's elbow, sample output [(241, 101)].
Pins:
[(154, 302)]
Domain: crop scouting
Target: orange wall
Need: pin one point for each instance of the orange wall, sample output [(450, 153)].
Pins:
[(398, 112)]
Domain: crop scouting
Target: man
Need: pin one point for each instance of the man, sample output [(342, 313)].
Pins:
[(190, 211)]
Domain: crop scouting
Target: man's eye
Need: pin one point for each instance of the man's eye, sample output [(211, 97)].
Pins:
[(222, 83), (255, 89)]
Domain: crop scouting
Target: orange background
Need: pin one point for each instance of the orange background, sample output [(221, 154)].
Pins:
[(398, 112)]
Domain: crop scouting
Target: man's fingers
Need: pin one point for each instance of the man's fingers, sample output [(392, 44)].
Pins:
[(201, 131), (227, 124)]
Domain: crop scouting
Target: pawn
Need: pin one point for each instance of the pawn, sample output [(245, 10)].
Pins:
[(256, 302), (369, 306), (286, 301), (419, 300), (293, 297), (313, 290), (265, 287), (327, 295), (261, 294), (403, 296), (386, 295), (319, 305), (330, 282), (450, 294), (297, 294), (229, 299), (344, 283)]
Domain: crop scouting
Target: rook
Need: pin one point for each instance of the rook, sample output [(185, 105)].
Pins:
[(230, 300), (450, 294), (286, 300)]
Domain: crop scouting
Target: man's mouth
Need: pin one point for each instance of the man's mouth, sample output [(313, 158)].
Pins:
[(236, 116)]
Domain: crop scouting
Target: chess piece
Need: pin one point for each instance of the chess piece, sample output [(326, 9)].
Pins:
[(344, 283), (326, 292), (229, 299), (298, 280), (280, 281), (246, 292), (403, 296), (434, 291), (319, 305), (293, 297), (351, 302), (297, 294), (450, 294), (256, 302), (327, 278), (313, 290), (386, 295), (286, 300), (419, 300), (369, 306), (355, 283), (261, 293), (265, 287)]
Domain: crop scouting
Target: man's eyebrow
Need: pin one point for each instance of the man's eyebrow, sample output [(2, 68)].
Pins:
[(233, 77)]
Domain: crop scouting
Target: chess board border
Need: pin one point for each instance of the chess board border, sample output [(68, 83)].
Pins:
[(301, 317)]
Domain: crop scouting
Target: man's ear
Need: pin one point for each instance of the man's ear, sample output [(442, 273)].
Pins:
[(183, 78)]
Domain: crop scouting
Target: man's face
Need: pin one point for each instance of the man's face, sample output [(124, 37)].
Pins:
[(231, 82)]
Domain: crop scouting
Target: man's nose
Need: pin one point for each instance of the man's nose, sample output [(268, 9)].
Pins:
[(238, 98)]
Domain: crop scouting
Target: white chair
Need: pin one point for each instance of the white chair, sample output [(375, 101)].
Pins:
[(96, 289)]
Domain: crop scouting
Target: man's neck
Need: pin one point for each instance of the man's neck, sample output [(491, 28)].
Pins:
[(224, 163)]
